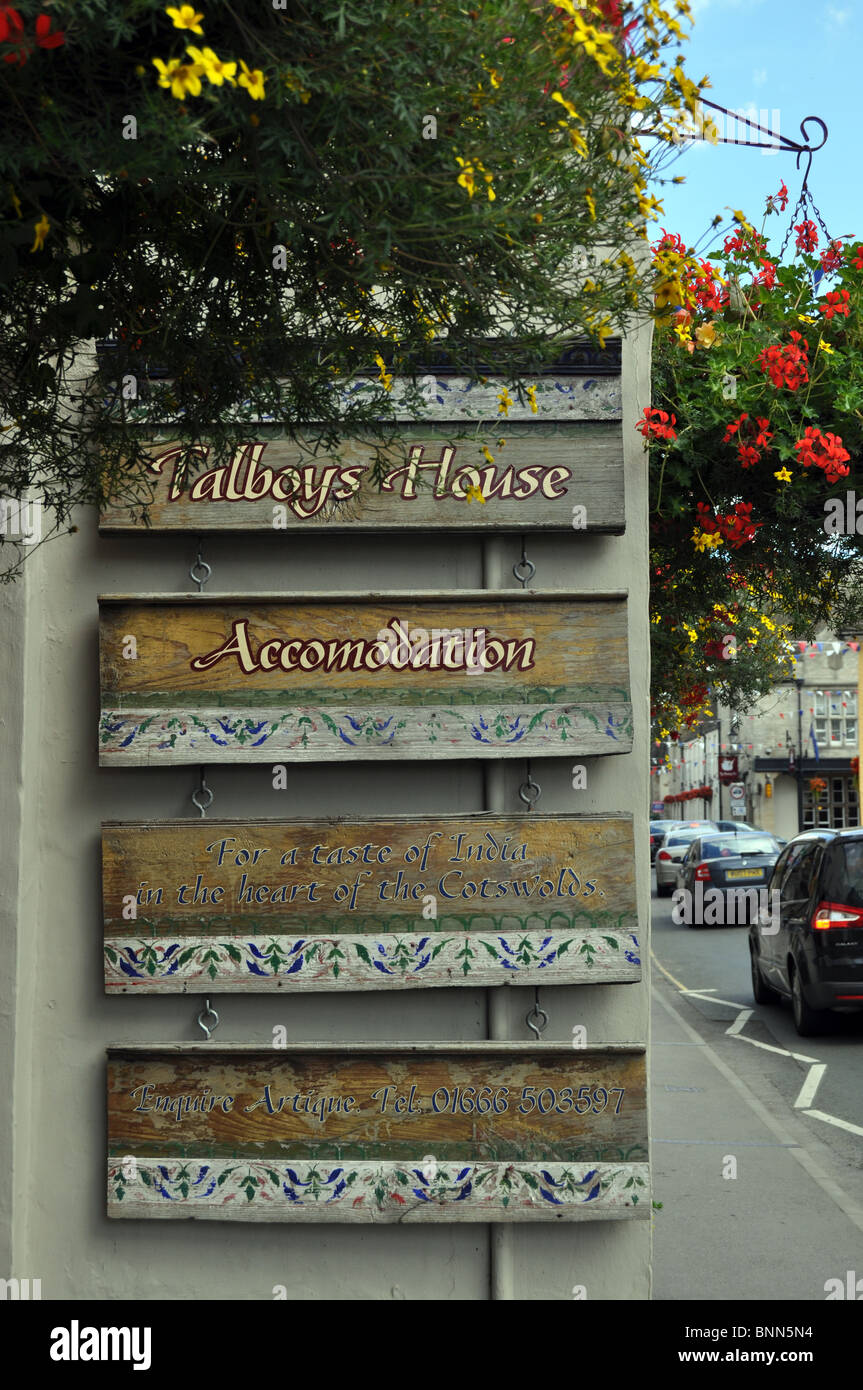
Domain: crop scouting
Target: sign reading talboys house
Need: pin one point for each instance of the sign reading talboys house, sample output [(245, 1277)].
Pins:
[(225, 678), (390, 903), (570, 480), (377, 1132)]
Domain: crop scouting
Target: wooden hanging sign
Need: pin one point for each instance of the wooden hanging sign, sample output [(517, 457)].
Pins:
[(397, 903), (340, 677), (371, 1132), (571, 480)]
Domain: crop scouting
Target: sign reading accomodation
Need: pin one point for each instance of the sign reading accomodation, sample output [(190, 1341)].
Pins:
[(368, 904), (377, 1133), (305, 678)]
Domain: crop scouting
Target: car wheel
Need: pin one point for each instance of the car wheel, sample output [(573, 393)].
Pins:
[(761, 992), (663, 890), (808, 1022)]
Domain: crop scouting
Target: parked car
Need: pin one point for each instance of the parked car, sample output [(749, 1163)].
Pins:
[(735, 825), (675, 844), (815, 958), (658, 829), (730, 864)]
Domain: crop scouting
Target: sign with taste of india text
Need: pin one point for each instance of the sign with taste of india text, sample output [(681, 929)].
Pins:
[(368, 904), (569, 481), (224, 678), (377, 1133)]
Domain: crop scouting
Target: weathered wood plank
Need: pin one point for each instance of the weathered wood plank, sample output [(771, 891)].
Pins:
[(532, 483), (393, 903), (221, 678), (377, 1133)]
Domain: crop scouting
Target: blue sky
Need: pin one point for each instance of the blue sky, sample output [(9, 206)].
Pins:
[(779, 56)]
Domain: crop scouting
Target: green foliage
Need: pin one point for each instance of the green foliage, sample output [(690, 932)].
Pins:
[(278, 227)]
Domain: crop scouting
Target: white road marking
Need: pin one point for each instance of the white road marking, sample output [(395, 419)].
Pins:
[(852, 1209), (782, 1051), (711, 998), (834, 1120), (810, 1086), (740, 1022)]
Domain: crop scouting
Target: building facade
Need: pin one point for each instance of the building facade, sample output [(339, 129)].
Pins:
[(796, 750)]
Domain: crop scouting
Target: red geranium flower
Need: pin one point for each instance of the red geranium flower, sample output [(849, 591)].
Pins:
[(44, 37), (657, 424), (836, 302), (825, 451), (787, 366), (857, 253), (831, 257), (748, 455), (807, 236), (731, 430), (766, 275)]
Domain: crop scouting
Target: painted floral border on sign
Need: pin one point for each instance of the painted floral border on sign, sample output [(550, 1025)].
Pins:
[(329, 732), (367, 961), (242, 1189)]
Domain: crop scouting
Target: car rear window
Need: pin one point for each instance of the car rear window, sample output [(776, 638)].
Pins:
[(843, 874), (682, 837), (741, 844)]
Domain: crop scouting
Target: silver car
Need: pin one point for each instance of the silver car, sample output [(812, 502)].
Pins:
[(673, 851)]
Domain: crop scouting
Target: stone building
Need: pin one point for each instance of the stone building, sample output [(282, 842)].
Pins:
[(802, 731)]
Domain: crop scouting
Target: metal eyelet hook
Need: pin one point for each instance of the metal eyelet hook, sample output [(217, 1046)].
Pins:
[(524, 569), (200, 571), (208, 1012), (200, 792), (529, 791), (536, 1018)]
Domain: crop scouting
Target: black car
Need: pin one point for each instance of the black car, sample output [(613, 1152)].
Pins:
[(812, 949), (720, 873)]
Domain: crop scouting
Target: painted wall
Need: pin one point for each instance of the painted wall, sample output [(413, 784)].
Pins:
[(52, 799)]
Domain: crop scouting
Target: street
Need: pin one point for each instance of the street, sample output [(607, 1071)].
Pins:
[(758, 1133)]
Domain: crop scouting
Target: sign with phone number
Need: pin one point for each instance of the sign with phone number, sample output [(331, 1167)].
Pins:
[(371, 1132)]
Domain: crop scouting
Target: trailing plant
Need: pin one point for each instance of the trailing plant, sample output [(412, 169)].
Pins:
[(262, 207), (755, 438)]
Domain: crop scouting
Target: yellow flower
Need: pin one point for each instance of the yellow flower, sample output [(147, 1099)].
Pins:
[(682, 332), (537, 217), (466, 177), (596, 44), (41, 229), (185, 17), (179, 78), (214, 69), (825, 347), (501, 443), (473, 494), (531, 396), (783, 475), (705, 336), (15, 200), (253, 80), (806, 318), (567, 105), (591, 204), (505, 402), (603, 331), (488, 455), (703, 540), (384, 376)]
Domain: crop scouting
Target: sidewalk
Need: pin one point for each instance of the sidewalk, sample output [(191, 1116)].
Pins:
[(773, 1232)]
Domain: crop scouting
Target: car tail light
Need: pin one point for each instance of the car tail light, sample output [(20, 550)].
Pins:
[(829, 915), (663, 854), (702, 873)]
